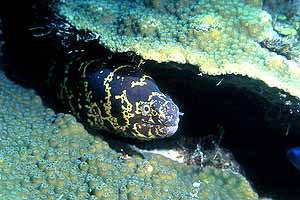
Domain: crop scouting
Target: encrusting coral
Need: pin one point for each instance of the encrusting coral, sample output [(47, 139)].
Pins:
[(220, 37), (51, 156)]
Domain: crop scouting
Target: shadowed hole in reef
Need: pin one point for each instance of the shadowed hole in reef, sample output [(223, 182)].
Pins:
[(255, 122)]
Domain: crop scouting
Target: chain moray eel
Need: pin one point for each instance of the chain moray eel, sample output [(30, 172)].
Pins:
[(123, 100), (99, 88)]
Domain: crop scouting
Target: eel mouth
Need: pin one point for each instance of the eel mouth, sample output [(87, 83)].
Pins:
[(168, 131), (165, 127), (160, 130)]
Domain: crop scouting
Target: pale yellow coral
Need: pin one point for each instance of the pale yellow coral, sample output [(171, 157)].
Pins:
[(191, 32)]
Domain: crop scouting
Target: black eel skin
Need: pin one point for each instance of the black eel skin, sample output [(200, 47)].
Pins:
[(120, 99)]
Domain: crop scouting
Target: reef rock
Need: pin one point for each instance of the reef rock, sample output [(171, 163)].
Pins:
[(215, 36)]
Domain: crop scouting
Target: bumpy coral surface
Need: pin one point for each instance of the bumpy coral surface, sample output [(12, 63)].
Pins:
[(220, 37), (44, 155)]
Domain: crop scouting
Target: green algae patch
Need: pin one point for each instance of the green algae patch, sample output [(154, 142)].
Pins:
[(51, 156), (219, 37)]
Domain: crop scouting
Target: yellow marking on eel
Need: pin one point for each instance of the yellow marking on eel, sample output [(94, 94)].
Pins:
[(138, 107), (94, 115), (153, 94), (107, 104), (126, 110), (137, 134), (85, 66), (140, 82)]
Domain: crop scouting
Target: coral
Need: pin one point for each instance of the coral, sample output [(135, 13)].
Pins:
[(295, 52), (206, 27), (280, 45), (51, 156), (225, 33)]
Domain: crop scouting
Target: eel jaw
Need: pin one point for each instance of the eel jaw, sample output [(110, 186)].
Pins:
[(169, 130), (153, 131), (160, 130)]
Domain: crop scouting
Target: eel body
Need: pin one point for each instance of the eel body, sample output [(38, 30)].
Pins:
[(123, 100)]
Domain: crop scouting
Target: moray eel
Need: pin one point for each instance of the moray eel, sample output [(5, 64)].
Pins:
[(123, 100)]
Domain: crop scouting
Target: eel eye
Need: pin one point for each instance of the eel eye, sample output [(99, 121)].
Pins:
[(145, 109)]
